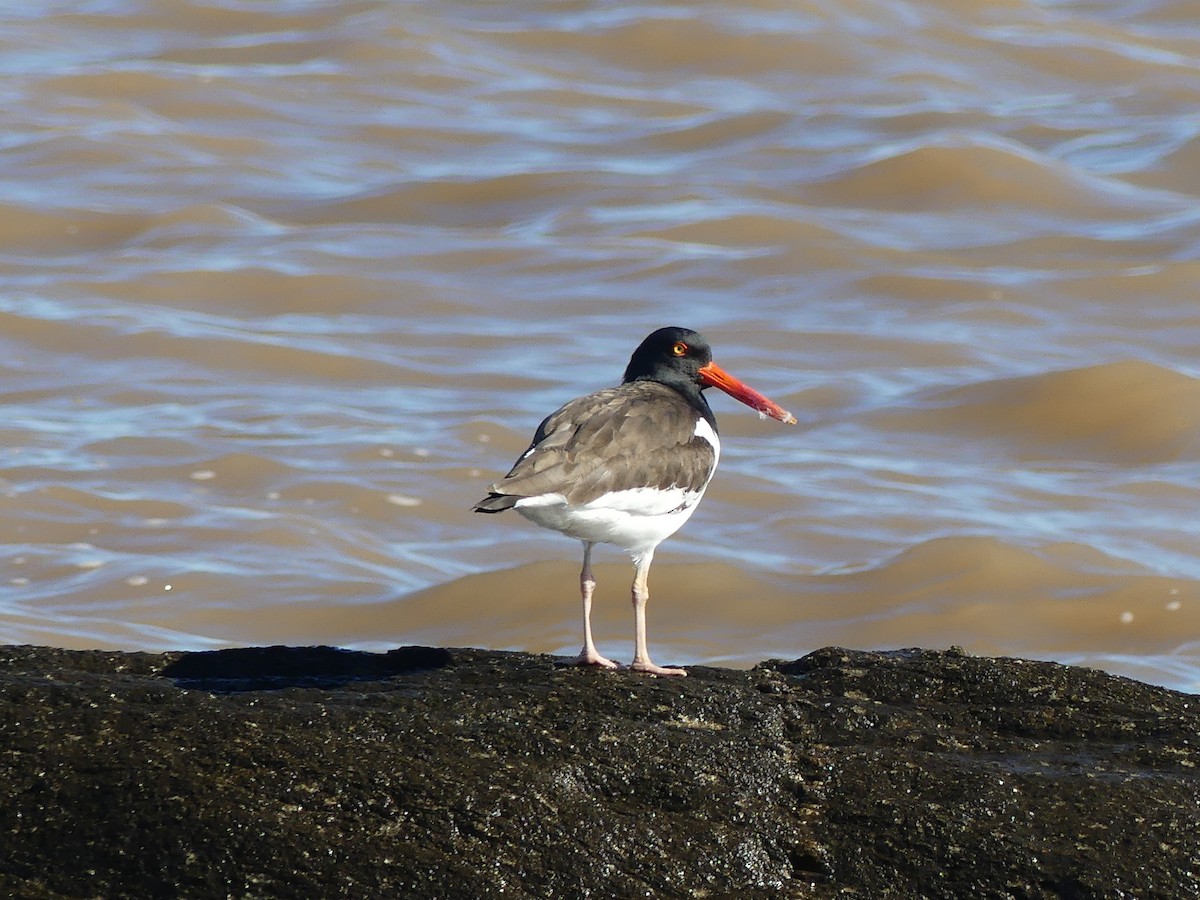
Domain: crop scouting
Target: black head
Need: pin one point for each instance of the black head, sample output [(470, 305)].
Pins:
[(673, 356), (681, 358)]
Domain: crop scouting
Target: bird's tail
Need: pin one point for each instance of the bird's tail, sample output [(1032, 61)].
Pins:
[(494, 503)]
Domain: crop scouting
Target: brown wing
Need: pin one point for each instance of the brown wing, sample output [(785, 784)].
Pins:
[(638, 435)]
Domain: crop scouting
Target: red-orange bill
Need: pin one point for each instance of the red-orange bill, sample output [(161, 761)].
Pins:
[(714, 376)]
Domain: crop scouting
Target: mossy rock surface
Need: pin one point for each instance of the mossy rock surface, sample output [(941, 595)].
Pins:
[(427, 772)]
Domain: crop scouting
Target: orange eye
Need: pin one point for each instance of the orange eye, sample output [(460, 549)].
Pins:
[(680, 348)]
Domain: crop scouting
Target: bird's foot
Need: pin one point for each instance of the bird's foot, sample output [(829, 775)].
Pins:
[(648, 668), (592, 658)]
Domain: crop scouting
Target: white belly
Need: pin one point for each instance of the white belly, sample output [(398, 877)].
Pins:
[(634, 520)]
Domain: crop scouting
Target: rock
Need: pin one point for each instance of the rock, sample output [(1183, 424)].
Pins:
[(315, 772)]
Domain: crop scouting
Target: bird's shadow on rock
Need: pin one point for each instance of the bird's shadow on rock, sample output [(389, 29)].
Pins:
[(279, 667)]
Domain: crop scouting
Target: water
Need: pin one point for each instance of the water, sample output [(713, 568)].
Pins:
[(284, 286)]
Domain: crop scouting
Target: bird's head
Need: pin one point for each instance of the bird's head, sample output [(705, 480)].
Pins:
[(682, 358)]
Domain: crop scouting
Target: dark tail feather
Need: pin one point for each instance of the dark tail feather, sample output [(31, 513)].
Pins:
[(494, 503)]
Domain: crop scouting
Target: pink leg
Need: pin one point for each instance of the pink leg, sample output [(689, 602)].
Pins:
[(641, 594), (589, 655)]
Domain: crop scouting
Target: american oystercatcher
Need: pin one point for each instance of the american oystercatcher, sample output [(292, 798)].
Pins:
[(627, 466)]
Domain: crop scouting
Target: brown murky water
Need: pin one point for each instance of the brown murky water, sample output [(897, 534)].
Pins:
[(284, 285)]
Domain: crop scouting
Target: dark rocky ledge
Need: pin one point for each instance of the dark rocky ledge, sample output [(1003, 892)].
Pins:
[(313, 772)]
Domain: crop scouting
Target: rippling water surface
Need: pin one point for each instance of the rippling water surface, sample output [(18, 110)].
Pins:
[(283, 286)]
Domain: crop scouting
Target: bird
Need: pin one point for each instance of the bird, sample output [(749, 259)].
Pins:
[(627, 465)]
